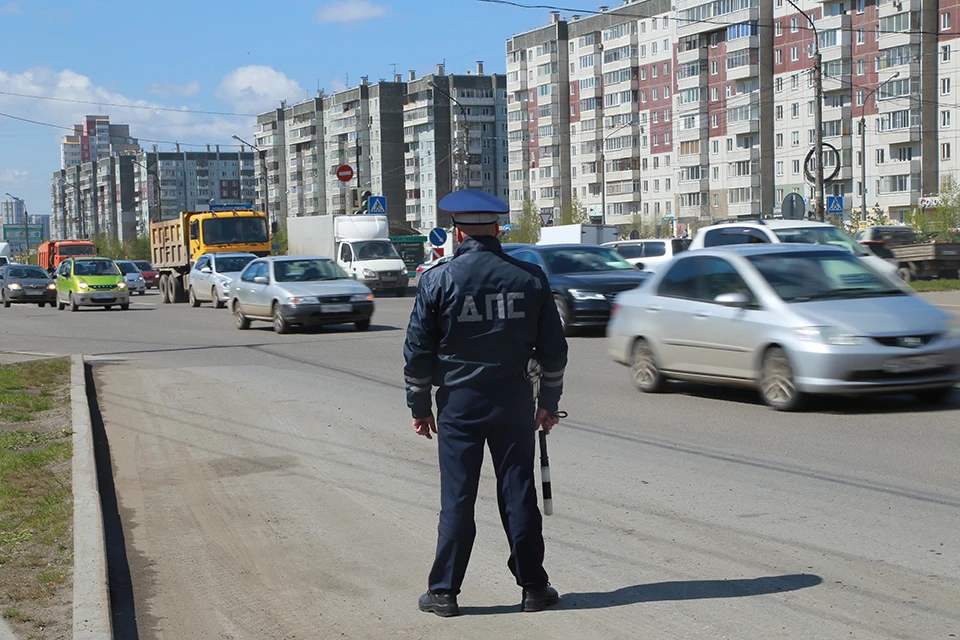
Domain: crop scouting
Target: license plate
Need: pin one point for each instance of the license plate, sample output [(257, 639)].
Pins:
[(34, 293), (912, 363), (336, 308), (103, 297), (389, 278)]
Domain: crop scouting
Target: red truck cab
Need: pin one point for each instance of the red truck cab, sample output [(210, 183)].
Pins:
[(52, 252)]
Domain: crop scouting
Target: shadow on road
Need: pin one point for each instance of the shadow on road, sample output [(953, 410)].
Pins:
[(665, 591)]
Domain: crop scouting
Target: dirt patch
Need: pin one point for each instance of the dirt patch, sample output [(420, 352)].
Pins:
[(36, 499)]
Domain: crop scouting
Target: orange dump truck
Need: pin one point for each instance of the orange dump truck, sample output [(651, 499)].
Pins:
[(52, 252)]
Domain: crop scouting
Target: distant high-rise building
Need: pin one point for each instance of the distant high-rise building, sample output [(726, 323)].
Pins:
[(95, 139), (11, 212)]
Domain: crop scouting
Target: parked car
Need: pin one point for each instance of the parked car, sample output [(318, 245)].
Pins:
[(24, 283), (213, 274), (755, 230), (426, 266), (649, 255), (136, 283), (893, 235), (584, 279), (150, 275), (91, 282), (789, 320), (295, 291)]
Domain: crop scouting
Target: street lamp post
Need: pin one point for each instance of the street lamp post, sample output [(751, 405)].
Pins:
[(263, 168), (461, 169), (26, 225), (863, 147)]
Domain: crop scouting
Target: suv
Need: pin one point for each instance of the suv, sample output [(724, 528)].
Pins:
[(649, 255), (756, 230)]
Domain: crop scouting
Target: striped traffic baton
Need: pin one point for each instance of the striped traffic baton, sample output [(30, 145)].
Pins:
[(545, 475)]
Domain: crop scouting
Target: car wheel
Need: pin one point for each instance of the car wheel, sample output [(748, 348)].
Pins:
[(243, 322), (142, 292), (193, 298), (777, 385), (401, 292), (934, 396), (362, 325), (60, 305), (646, 372), (41, 304), (564, 312), (73, 304), (6, 303), (108, 307), (280, 325), (125, 307), (217, 302)]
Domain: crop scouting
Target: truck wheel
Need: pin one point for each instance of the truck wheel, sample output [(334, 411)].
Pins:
[(906, 274), (193, 298), (217, 302), (164, 291), (176, 289)]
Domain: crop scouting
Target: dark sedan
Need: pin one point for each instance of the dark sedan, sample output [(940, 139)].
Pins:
[(584, 280), (26, 284)]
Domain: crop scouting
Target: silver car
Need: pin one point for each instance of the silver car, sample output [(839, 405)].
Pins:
[(790, 320), (294, 291), (132, 276), (212, 276)]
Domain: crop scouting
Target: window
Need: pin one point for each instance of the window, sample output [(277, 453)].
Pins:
[(778, 84), (681, 280), (733, 235), (880, 156), (718, 277), (944, 150), (861, 36), (779, 140), (860, 97), (779, 167), (945, 21), (778, 56), (945, 53), (778, 29), (796, 167), (714, 94), (794, 54), (944, 86), (945, 118), (779, 112), (795, 139), (861, 6), (794, 25), (861, 68), (795, 110), (794, 82), (714, 67)]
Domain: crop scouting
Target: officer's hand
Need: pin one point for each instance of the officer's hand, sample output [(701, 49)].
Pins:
[(423, 426), (546, 420)]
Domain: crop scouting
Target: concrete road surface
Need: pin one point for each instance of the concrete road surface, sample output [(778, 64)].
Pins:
[(271, 487)]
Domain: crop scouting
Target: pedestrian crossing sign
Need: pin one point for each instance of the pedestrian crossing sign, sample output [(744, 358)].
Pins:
[(378, 204), (834, 204)]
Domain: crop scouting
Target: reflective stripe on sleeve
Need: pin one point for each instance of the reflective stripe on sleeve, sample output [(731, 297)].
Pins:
[(553, 374), (547, 383)]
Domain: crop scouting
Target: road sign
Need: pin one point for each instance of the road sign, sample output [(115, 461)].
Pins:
[(378, 204), (13, 233), (344, 173), (437, 237), (240, 206), (546, 219), (793, 207), (834, 204), (436, 253)]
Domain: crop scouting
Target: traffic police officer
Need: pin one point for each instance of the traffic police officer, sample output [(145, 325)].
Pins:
[(476, 323)]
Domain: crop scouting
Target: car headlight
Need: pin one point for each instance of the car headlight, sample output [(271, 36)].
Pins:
[(14, 286), (827, 335), (83, 285), (579, 294), (52, 286), (139, 278), (224, 281), (303, 300), (121, 285), (953, 328), (361, 297), (367, 273)]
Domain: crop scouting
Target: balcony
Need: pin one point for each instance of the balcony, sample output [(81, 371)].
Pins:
[(743, 71), (743, 126), (899, 136), (895, 168), (744, 209), (747, 42), (689, 82), (692, 55), (896, 199)]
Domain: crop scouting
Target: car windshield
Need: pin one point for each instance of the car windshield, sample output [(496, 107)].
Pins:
[(817, 275), (75, 250), (234, 230), (95, 268), (374, 250), (127, 268), (233, 264), (26, 272), (585, 259), (307, 270), (143, 265), (821, 235)]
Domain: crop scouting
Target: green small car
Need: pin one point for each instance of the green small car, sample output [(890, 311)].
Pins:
[(91, 282)]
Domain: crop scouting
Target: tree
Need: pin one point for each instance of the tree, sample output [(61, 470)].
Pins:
[(526, 229), (643, 228), (940, 222), (574, 213)]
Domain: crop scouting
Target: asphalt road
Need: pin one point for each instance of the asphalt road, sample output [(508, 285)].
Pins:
[(271, 487)]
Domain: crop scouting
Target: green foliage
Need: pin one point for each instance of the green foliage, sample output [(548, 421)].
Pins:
[(574, 212), (526, 228), (110, 247), (280, 238), (944, 284)]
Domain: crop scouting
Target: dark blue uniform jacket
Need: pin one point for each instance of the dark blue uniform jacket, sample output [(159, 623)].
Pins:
[(479, 318)]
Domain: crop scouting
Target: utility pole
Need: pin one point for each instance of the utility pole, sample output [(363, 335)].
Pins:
[(863, 147), (263, 169), (460, 166), (819, 208)]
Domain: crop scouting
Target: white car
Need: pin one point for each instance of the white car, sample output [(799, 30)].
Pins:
[(649, 255), (132, 276), (212, 277), (755, 230)]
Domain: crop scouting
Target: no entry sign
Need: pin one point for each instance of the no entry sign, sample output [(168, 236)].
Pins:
[(345, 173)]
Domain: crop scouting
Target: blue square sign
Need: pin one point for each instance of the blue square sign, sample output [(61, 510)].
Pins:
[(834, 204), (378, 204)]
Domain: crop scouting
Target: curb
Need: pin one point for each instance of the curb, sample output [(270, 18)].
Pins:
[(91, 591), (6, 631)]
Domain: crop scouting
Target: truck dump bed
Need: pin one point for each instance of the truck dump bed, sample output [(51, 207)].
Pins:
[(167, 245)]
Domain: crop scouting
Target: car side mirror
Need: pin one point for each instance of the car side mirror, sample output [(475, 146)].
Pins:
[(262, 280), (733, 300), (206, 270)]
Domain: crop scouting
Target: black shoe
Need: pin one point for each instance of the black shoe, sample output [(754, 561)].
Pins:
[(442, 604), (540, 599)]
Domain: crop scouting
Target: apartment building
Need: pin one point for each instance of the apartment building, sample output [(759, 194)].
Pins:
[(12, 212), (96, 198), (455, 136), (95, 138), (948, 91)]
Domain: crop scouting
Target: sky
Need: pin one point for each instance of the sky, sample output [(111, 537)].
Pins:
[(237, 57)]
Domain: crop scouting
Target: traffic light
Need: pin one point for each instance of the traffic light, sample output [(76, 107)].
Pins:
[(354, 198), (365, 202)]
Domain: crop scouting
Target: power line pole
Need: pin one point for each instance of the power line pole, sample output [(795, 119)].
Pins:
[(819, 208), (462, 152)]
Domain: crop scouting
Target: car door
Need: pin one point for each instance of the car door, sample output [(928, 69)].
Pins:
[(245, 290), (724, 340), (256, 293), (63, 280), (199, 280), (670, 316)]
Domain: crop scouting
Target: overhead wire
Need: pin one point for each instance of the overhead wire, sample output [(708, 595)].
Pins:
[(127, 106)]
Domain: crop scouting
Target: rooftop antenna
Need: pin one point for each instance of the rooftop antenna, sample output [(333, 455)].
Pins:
[(394, 64)]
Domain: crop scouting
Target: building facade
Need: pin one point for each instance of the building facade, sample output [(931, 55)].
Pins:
[(96, 139)]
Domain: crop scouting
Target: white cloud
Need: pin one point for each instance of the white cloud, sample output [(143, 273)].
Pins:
[(10, 9), (351, 11), (11, 178), (168, 89), (256, 88)]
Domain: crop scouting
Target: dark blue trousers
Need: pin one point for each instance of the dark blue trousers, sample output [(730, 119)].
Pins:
[(499, 414)]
